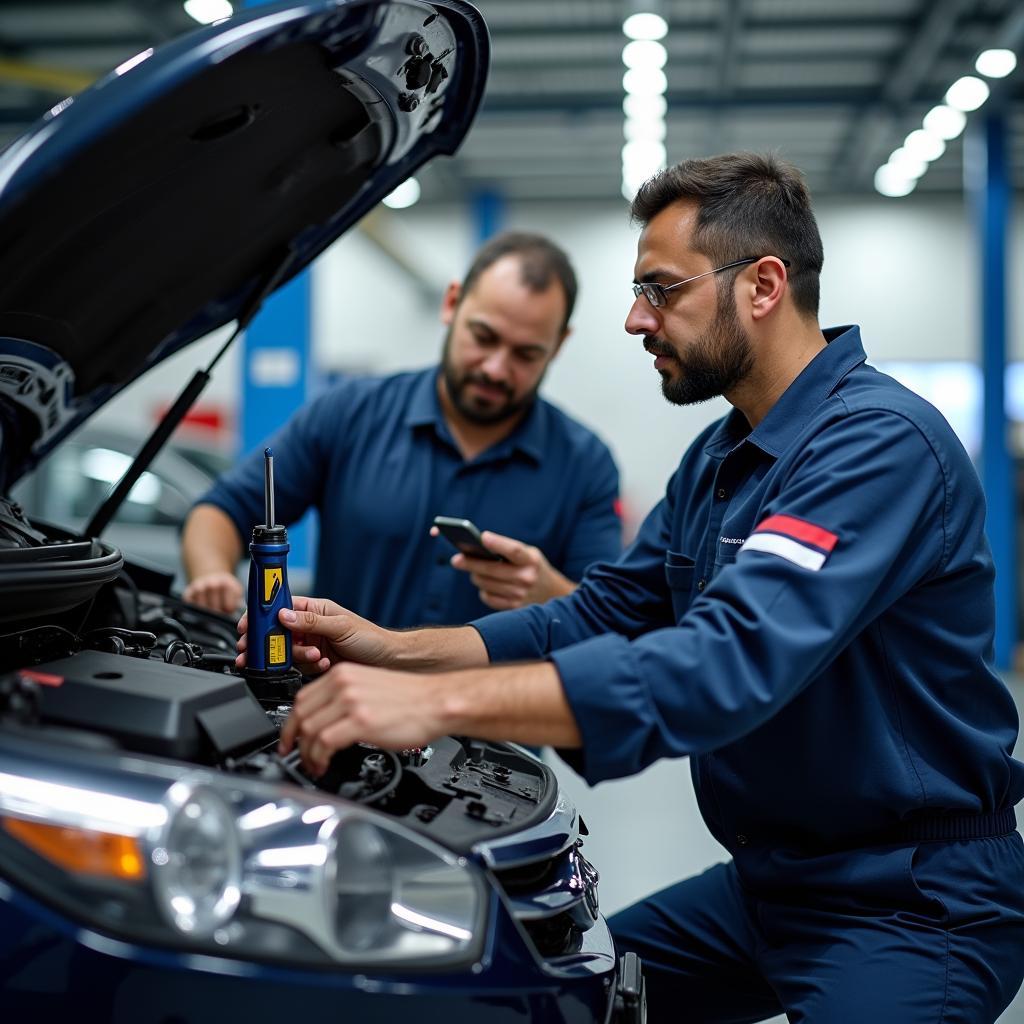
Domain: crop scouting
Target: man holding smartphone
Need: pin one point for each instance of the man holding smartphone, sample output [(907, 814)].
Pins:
[(380, 457)]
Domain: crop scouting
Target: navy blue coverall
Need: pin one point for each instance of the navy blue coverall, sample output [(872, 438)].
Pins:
[(808, 615)]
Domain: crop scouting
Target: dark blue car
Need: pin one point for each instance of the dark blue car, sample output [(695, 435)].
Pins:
[(158, 860)]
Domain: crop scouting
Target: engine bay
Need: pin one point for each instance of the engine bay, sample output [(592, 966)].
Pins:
[(162, 682)]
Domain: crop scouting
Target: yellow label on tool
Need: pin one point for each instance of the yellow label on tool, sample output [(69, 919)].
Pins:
[(275, 649), (273, 580)]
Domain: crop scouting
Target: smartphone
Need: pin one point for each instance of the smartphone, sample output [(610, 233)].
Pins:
[(466, 537)]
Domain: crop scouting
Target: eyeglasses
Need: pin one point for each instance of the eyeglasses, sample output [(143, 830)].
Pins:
[(657, 294)]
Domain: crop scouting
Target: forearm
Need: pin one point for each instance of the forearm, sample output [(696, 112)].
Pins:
[(523, 703), (209, 542), (436, 650)]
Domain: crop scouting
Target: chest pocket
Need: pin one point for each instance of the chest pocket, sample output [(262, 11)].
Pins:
[(679, 572), (726, 555)]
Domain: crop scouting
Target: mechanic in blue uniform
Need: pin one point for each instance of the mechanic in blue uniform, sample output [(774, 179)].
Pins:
[(379, 457), (807, 615)]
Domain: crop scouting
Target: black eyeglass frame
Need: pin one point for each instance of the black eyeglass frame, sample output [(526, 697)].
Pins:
[(657, 294)]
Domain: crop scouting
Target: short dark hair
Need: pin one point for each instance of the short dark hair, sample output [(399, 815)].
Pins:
[(540, 262), (750, 204)]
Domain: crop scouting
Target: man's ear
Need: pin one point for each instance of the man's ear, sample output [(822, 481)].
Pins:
[(450, 302), (768, 287)]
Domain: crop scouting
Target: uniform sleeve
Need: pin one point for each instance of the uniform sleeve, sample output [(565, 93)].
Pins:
[(625, 597), (597, 533), (860, 520), (301, 457)]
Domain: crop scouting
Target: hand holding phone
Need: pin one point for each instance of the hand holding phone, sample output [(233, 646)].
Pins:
[(465, 536)]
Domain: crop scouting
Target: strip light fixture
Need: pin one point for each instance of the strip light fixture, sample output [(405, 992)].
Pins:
[(644, 105), (943, 123)]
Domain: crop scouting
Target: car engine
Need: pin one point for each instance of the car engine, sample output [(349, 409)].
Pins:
[(138, 671)]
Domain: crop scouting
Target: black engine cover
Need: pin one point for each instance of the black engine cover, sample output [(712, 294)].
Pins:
[(150, 707)]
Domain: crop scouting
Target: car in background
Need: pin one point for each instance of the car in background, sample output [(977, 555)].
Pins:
[(70, 485)]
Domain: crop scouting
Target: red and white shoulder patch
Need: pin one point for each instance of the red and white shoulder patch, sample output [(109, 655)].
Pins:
[(796, 540)]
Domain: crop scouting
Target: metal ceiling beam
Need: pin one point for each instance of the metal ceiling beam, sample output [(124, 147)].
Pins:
[(578, 104), (724, 79), (874, 127), (753, 22)]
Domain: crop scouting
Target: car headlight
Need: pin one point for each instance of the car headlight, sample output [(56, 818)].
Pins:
[(233, 866), (197, 862)]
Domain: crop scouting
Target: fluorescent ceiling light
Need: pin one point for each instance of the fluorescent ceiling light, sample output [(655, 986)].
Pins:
[(644, 108), (924, 145), (634, 177), (645, 153), (405, 195), (967, 93), (644, 81), (996, 63), (208, 11), (890, 182), (645, 26), (644, 53), (907, 165), (945, 122), (639, 130)]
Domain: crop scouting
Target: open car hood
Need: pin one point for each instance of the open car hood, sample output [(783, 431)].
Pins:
[(150, 209)]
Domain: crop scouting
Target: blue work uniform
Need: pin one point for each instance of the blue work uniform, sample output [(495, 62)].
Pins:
[(375, 458), (808, 615)]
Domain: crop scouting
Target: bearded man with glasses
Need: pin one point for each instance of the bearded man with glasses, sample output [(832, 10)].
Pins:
[(808, 615)]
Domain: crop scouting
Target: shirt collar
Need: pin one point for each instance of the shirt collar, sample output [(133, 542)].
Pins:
[(797, 403), (529, 437)]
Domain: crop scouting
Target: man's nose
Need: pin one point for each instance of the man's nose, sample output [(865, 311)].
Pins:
[(496, 364), (642, 319)]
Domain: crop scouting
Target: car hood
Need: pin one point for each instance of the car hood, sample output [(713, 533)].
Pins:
[(152, 208)]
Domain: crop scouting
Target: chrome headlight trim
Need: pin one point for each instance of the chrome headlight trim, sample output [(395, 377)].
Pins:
[(197, 807)]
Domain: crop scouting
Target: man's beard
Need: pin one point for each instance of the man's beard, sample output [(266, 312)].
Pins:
[(477, 412), (713, 365)]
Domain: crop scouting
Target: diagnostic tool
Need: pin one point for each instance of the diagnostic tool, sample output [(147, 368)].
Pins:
[(269, 644)]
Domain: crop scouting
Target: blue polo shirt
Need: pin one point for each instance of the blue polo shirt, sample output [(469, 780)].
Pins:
[(375, 458), (808, 614)]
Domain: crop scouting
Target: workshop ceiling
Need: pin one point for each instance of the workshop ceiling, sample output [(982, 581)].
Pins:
[(833, 85)]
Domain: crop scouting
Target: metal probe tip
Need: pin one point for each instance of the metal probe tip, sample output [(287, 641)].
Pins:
[(268, 486)]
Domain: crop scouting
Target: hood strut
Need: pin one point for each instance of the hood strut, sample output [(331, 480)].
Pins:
[(102, 516)]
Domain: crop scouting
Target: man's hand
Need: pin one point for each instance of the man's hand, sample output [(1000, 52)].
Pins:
[(218, 591), (524, 703), (525, 577), (324, 634), (353, 703)]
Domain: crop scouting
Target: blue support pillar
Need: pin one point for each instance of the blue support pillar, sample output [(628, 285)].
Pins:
[(488, 215), (275, 356), (987, 181)]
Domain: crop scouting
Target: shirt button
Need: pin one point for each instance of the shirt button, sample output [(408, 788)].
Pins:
[(742, 840), (720, 492), (701, 584), (442, 559)]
